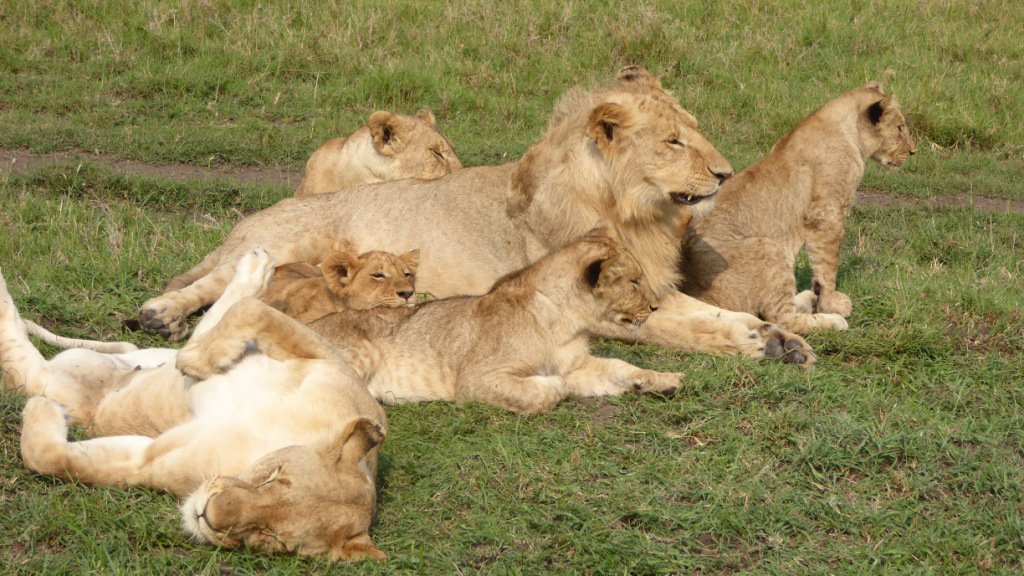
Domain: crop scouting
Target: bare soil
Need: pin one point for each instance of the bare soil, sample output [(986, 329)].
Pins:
[(20, 161)]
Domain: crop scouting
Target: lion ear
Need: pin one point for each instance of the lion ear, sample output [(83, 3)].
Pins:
[(385, 128), (339, 268), (604, 122), (637, 75), (353, 442), (873, 85), (877, 109), (359, 547), (592, 273), (411, 259), (427, 116)]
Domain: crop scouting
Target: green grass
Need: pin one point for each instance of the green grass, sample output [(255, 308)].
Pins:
[(900, 453), (264, 84)]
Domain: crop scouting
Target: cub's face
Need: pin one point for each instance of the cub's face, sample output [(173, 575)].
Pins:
[(897, 145), (373, 279), (297, 500), (625, 292)]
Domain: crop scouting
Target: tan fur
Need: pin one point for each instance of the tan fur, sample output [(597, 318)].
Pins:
[(624, 155), (388, 147), (522, 346), (741, 255), (276, 452), (343, 280)]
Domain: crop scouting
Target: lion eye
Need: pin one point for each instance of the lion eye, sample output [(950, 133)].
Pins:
[(677, 143), (408, 274), (635, 282), (901, 129), (437, 153), (378, 276)]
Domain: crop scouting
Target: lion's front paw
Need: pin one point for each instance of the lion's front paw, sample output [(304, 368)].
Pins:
[(164, 318), (661, 383), (253, 273), (201, 359), (787, 346), (805, 302), (835, 303)]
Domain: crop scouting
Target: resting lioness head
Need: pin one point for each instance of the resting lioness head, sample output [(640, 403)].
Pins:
[(307, 500), (885, 130), (389, 147)]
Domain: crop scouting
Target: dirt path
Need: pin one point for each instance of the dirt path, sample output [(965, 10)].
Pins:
[(19, 161)]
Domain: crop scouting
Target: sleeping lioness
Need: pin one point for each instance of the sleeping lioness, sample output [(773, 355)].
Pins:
[(389, 147), (274, 452)]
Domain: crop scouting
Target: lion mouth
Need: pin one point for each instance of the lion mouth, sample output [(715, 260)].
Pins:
[(690, 199)]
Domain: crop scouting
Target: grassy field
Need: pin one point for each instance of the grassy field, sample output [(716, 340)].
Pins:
[(902, 452)]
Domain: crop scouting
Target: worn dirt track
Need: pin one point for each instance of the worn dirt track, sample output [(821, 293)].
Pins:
[(20, 161)]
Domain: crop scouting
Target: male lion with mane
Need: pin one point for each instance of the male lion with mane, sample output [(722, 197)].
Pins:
[(624, 155), (389, 147), (276, 452), (741, 255)]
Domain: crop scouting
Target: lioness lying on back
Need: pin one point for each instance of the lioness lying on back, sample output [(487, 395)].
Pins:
[(741, 255), (344, 280), (388, 147), (277, 453), (522, 346)]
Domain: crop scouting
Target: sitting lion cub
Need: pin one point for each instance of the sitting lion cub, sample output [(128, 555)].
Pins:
[(275, 452), (388, 147), (523, 346), (741, 255), (344, 280)]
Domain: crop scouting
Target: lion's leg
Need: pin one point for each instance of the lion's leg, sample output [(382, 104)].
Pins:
[(251, 325), (686, 323), (524, 395), (824, 228), (167, 314), (778, 304), (250, 280), (101, 461), (613, 377)]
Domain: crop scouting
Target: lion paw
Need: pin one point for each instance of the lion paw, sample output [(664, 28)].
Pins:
[(201, 360), (835, 303), (787, 346), (804, 302), (661, 383), (162, 318), (252, 273)]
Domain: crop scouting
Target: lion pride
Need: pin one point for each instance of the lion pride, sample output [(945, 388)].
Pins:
[(624, 155)]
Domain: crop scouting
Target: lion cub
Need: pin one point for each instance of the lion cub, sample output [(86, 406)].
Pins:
[(389, 147), (741, 255), (345, 279), (522, 346)]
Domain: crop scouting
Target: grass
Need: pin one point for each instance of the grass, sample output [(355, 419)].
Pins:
[(900, 453)]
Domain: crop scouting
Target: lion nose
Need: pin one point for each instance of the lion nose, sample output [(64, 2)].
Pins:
[(722, 175), (405, 294)]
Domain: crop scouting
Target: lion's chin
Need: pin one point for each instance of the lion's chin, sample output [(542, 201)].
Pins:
[(691, 199)]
